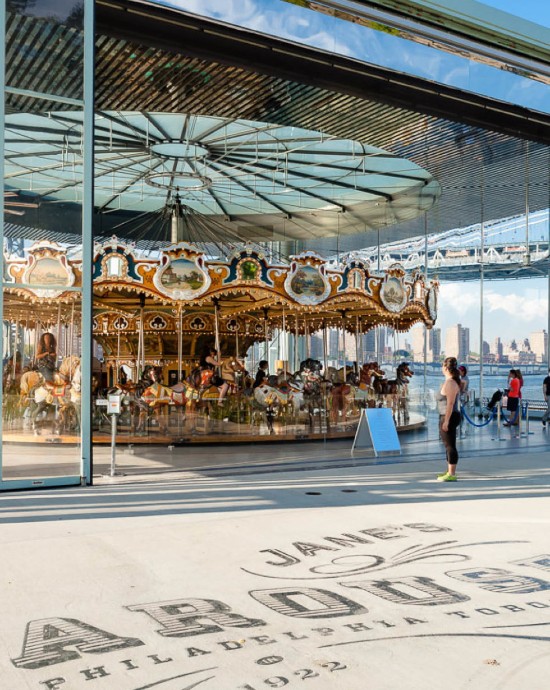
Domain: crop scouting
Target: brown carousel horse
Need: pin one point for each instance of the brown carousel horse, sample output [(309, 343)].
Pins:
[(203, 387), (395, 389), (157, 397)]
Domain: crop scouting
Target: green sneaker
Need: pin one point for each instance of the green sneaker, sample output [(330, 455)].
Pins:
[(449, 478), (440, 477)]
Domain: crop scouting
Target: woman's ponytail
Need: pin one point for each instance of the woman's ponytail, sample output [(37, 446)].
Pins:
[(451, 365)]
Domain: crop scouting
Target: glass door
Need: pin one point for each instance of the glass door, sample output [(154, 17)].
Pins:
[(45, 302)]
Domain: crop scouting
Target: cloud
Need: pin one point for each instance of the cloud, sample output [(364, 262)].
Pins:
[(286, 21), (463, 299), (525, 307), (460, 299)]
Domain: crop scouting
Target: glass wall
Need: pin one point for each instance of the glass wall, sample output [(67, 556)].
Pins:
[(44, 342), (408, 51)]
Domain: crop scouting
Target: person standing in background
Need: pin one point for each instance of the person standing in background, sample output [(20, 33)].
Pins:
[(514, 392), (546, 394), (464, 385), (448, 404)]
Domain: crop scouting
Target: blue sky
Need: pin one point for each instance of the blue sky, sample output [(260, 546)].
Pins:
[(535, 10)]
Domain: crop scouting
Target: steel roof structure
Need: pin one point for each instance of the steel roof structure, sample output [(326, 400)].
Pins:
[(487, 156)]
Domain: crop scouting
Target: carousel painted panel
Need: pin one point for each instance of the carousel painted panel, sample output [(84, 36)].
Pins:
[(394, 294), (182, 274), (47, 273), (432, 302), (306, 282)]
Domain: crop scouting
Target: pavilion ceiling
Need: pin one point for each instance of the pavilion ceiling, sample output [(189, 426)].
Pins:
[(481, 169)]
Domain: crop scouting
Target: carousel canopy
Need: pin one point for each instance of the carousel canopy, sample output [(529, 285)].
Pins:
[(182, 292), (249, 180)]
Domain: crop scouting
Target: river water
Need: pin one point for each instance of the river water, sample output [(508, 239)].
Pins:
[(532, 384)]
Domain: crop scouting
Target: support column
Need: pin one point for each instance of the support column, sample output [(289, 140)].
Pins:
[(481, 281)]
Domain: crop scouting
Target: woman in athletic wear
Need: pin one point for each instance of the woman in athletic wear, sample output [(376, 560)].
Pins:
[(448, 404)]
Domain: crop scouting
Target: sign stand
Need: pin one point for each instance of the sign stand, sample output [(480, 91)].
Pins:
[(376, 432), (113, 408)]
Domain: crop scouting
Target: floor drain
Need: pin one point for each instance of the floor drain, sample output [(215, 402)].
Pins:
[(313, 493), (349, 491)]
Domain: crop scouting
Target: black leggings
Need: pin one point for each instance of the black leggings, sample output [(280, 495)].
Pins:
[(449, 437)]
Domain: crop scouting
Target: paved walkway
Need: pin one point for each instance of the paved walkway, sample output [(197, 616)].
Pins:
[(370, 576)]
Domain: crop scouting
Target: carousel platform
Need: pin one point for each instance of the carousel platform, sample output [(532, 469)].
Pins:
[(195, 432)]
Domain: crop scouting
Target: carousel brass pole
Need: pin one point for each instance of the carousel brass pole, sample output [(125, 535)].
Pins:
[(296, 344), (138, 353), (58, 327), (253, 355), (37, 327), (142, 333), (306, 336), (71, 332), (343, 345), (14, 353), (217, 325), (266, 338), (284, 345), (357, 345), (25, 343), (343, 332), (325, 363), (361, 354), (180, 343), (117, 355)]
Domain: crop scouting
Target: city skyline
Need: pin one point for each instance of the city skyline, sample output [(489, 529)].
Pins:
[(511, 309)]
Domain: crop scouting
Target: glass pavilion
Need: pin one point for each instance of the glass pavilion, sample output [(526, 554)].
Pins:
[(358, 129)]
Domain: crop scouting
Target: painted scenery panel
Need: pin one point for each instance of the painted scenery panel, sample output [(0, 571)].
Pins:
[(182, 274), (48, 272), (307, 281), (393, 295)]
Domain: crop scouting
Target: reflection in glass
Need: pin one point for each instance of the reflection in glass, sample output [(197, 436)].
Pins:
[(373, 44)]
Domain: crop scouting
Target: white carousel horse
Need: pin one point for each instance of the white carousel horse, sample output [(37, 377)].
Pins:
[(270, 398), (58, 394), (158, 397)]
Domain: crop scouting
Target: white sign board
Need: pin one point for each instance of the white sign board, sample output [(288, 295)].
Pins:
[(376, 431), (101, 402), (113, 404)]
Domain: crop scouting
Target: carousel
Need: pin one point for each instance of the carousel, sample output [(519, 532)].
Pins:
[(215, 305), (184, 336)]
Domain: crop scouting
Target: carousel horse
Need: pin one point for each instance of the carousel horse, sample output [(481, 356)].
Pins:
[(315, 388), (134, 411), (235, 374), (343, 375), (291, 398), (157, 397), (69, 414), (395, 389), (368, 374), (268, 399), (57, 395)]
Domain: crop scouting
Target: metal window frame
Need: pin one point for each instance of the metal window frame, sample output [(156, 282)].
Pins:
[(86, 458)]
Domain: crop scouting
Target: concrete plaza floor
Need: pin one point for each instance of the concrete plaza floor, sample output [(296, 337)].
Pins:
[(365, 574)]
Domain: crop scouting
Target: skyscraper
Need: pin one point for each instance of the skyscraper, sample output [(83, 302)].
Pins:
[(457, 342), (498, 349), (433, 344), (539, 345)]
